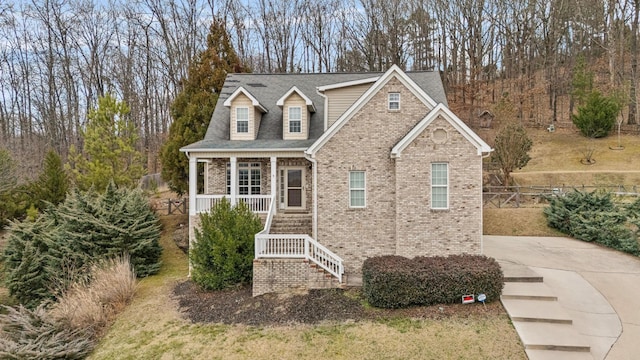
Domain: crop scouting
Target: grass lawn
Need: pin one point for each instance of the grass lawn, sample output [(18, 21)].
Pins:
[(524, 221), (553, 162), (152, 328)]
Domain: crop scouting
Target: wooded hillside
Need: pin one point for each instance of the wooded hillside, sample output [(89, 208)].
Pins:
[(513, 58)]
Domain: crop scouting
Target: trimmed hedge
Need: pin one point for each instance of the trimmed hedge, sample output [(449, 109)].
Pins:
[(397, 282)]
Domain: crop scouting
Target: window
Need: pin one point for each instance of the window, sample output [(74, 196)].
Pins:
[(295, 119), (357, 190), (394, 101), (439, 186), (242, 120), (248, 178)]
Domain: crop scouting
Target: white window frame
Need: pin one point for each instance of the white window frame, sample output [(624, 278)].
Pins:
[(362, 189), (244, 121), (293, 121), (444, 186), (394, 101), (251, 167)]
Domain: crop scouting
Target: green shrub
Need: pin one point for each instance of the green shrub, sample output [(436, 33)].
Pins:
[(594, 217), (598, 115), (222, 255), (64, 240), (397, 282)]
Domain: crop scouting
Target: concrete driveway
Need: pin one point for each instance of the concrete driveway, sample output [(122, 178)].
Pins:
[(600, 287)]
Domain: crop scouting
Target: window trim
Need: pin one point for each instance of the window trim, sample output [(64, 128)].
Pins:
[(393, 101), (243, 120), (440, 186), (245, 166), (299, 120), (363, 189)]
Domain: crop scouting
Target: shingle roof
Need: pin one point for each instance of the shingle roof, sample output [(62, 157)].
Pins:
[(268, 88)]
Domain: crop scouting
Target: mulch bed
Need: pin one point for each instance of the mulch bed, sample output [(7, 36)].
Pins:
[(237, 306)]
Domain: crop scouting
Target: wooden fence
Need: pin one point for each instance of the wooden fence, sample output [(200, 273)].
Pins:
[(516, 196)]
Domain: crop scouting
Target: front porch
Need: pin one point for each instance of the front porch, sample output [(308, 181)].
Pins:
[(257, 181), (280, 190)]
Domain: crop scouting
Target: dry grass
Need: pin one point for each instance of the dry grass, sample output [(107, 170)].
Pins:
[(93, 304), (555, 160), (152, 328), (528, 221)]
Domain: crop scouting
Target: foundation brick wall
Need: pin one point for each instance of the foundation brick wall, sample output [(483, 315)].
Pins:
[(364, 143), (421, 230), (279, 275)]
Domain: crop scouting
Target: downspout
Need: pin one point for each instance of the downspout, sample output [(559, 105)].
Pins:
[(315, 193), (483, 156)]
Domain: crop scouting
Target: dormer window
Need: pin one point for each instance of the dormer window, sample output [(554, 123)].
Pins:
[(296, 114), (394, 101), (242, 119), (295, 119)]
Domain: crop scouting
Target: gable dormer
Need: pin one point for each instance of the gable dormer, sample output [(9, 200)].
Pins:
[(296, 113), (245, 113)]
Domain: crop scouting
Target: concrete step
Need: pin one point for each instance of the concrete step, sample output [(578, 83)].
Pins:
[(557, 355), (519, 273), (536, 311), (528, 291), (547, 336)]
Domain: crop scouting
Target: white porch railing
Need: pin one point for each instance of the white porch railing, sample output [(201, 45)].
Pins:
[(257, 203), (298, 247), (267, 223)]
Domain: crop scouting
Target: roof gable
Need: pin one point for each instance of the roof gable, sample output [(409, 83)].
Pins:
[(394, 71), (242, 90), (348, 83), (448, 115), (306, 99)]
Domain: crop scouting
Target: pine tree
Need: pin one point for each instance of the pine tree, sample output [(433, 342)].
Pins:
[(53, 184), (193, 107), (86, 227), (598, 115), (109, 151), (26, 261)]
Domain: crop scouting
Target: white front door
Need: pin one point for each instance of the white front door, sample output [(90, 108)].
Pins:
[(292, 190)]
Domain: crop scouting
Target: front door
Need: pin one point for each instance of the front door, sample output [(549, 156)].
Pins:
[(292, 188)]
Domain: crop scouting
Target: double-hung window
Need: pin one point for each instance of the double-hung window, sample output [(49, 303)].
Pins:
[(295, 119), (357, 189), (394, 101), (242, 120), (439, 186)]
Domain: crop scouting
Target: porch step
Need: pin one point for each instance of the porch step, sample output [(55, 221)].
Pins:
[(287, 223)]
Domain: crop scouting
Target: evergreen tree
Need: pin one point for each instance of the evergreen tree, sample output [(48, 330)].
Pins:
[(84, 228), (598, 115), (109, 148), (7, 184), (52, 185), (193, 107), (582, 81), (26, 261)]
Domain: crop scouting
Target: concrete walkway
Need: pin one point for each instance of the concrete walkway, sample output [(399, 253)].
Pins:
[(599, 288)]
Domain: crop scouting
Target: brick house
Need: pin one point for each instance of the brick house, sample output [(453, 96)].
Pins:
[(341, 167)]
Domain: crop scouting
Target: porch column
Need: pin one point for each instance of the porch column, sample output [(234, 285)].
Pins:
[(206, 176), (274, 185), (193, 183), (234, 180)]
